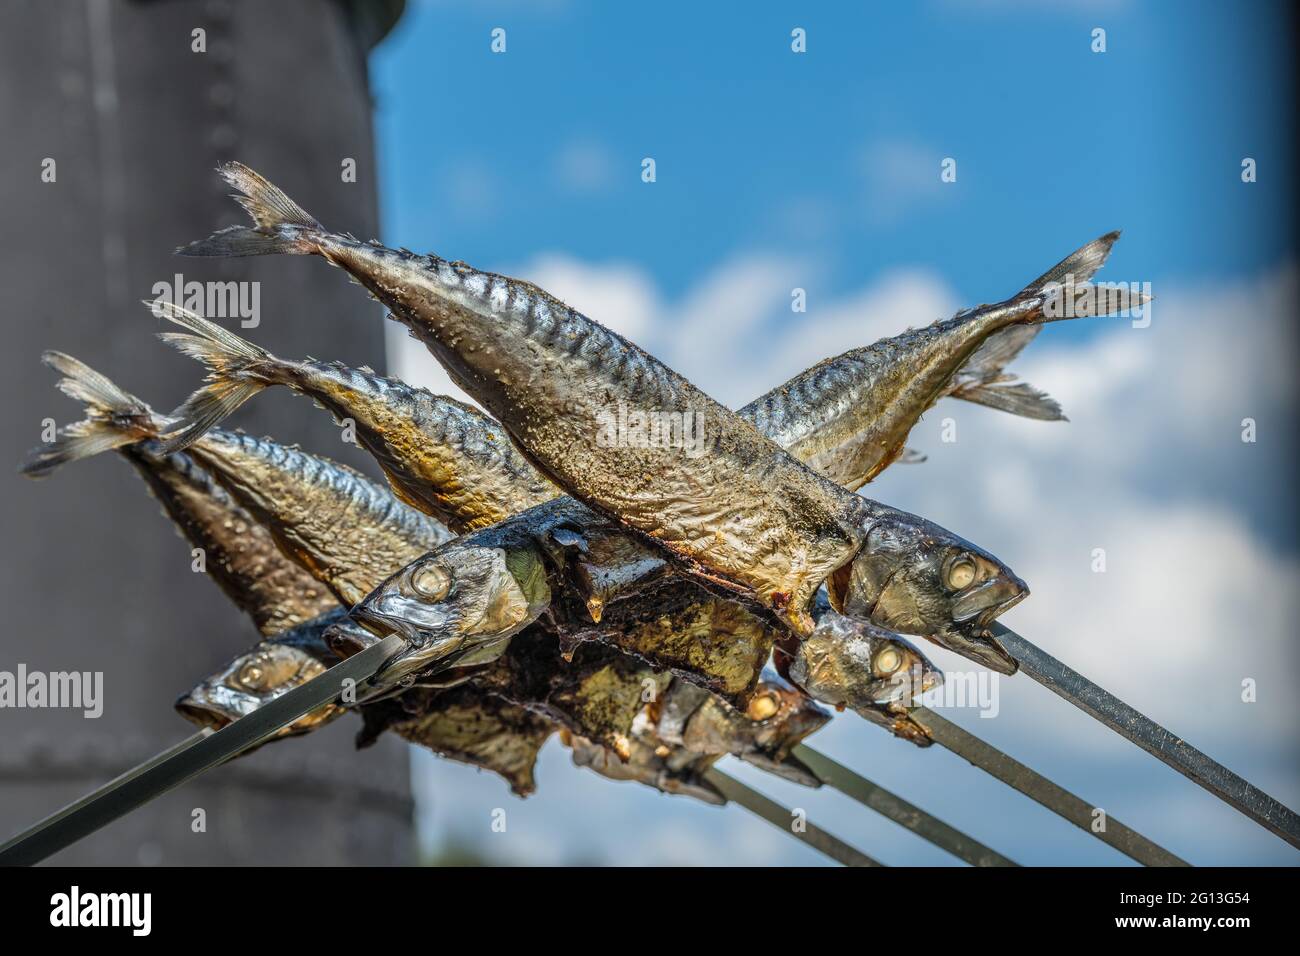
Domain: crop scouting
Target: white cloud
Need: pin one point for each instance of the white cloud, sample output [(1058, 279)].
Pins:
[(585, 165), (899, 175)]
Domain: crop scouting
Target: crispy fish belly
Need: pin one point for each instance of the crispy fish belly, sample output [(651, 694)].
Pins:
[(464, 724), (676, 624), (598, 584), (441, 456), (348, 531), (743, 510)]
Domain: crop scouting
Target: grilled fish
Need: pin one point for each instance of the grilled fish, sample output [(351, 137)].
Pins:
[(551, 376), (240, 555)]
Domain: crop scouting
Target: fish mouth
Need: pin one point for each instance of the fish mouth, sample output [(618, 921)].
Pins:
[(898, 720), (382, 617), (789, 768), (345, 641), (974, 614), (215, 708)]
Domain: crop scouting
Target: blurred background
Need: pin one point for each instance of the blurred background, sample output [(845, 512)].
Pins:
[(524, 151)]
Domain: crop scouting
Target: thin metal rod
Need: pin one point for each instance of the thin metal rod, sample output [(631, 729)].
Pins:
[(782, 819), (188, 759), (905, 814), (1151, 737), (1038, 788)]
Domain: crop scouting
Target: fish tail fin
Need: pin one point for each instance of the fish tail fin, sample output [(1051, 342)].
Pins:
[(237, 370), (1020, 399), (982, 379), (1066, 291), (113, 418), (1079, 266), (279, 224)]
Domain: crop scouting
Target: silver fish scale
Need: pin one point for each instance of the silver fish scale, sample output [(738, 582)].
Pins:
[(785, 411), (445, 420), (548, 321), (373, 498)]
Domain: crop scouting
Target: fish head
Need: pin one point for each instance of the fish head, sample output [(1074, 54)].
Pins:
[(251, 680), (915, 577), (780, 715), (851, 662), (454, 602)]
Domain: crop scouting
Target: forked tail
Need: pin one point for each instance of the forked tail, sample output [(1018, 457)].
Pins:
[(113, 418), (237, 370), (279, 224), (1049, 298)]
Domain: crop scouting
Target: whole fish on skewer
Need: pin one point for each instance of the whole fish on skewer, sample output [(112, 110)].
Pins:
[(717, 644), (270, 668), (746, 514)]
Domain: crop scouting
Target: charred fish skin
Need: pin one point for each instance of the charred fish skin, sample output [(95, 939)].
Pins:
[(649, 765), (467, 726), (848, 416), (777, 718), (597, 693), (239, 554), (441, 456), (551, 376), (595, 583)]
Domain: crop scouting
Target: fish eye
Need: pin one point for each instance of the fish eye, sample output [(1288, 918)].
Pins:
[(888, 661), (961, 573), (251, 675), (763, 706), (431, 582)]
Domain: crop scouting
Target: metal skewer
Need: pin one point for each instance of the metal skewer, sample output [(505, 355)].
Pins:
[(908, 815), (782, 819), (1038, 788), (1151, 737)]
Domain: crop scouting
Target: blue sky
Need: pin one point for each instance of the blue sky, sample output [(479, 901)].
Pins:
[(757, 146), (820, 170)]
